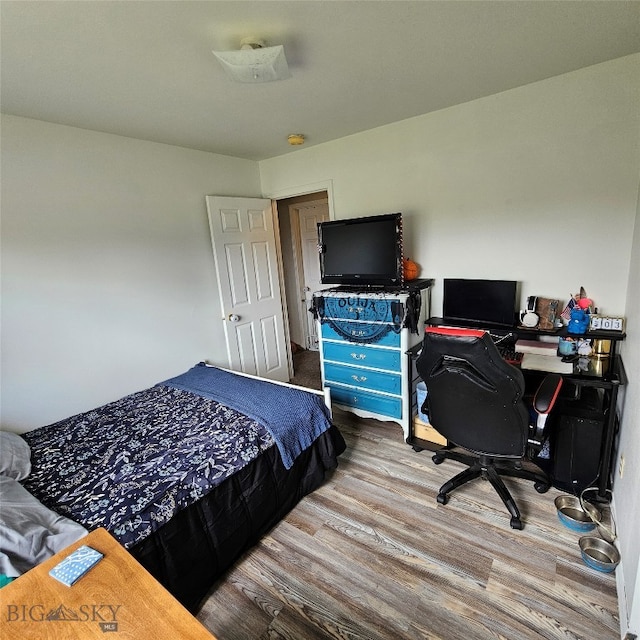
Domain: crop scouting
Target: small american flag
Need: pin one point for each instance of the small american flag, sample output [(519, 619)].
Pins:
[(566, 312)]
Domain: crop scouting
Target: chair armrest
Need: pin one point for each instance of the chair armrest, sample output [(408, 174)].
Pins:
[(547, 393)]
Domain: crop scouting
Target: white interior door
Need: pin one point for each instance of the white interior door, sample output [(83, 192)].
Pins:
[(245, 252), (309, 215)]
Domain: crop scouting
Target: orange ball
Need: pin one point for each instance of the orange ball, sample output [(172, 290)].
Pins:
[(410, 269), (585, 303)]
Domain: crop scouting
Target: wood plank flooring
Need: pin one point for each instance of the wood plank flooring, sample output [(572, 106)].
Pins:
[(371, 555)]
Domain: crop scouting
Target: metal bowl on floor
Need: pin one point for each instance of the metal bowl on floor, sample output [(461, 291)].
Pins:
[(599, 554), (573, 516)]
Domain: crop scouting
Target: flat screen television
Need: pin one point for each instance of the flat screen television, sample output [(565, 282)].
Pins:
[(363, 252), (491, 302)]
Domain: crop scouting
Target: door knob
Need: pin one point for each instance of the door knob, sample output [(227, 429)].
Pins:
[(233, 317)]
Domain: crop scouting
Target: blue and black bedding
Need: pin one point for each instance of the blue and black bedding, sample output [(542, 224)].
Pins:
[(189, 473)]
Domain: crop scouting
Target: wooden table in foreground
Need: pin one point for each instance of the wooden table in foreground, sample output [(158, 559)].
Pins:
[(116, 596)]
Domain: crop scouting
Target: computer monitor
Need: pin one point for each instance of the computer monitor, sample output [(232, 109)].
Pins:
[(491, 302)]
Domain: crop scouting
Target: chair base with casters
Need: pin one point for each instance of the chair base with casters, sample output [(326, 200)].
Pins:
[(490, 469)]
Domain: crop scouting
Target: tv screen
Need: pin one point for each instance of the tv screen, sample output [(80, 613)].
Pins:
[(361, 251), (480, 301)]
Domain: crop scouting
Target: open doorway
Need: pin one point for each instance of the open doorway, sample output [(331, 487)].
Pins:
[(298, 218)]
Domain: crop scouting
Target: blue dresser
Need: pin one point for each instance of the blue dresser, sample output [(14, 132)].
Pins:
[(364, 338)]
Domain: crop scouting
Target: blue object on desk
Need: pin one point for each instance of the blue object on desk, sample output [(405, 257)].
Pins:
[(579, 322), (74, 566), (567, 346)]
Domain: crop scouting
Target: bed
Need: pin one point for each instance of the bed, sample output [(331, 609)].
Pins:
[(189, 473)]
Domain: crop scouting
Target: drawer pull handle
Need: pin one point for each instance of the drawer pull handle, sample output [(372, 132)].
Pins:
[(358, 356), (359, 378)]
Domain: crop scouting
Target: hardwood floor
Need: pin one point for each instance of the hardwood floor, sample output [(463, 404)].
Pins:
[(306, 366), (371, 555)]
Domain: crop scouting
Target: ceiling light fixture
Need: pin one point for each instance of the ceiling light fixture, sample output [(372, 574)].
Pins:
[(254, 62), (296, 139)]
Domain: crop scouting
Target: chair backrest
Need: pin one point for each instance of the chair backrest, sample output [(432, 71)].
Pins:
[(474, 397)]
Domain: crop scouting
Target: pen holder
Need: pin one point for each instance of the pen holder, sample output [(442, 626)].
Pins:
[(601, 348)]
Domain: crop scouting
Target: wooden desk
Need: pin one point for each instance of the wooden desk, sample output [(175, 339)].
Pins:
[(116, 596)]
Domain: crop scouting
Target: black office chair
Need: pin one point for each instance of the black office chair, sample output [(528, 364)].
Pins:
[(475, 400)]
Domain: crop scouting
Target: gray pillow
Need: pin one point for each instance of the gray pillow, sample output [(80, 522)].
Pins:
[(15, 456)]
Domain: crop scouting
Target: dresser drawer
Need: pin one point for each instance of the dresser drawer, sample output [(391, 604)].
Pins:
[(366, 400), (361, 355), (365, 378), (365, 332)]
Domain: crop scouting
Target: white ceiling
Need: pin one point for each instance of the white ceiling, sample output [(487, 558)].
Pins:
[(144, 69)]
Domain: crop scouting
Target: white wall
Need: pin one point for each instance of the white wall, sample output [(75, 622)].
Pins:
[(626, 503), (108, 281), (537, 184)]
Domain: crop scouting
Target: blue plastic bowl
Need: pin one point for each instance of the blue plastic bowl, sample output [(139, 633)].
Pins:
[(573, 516)]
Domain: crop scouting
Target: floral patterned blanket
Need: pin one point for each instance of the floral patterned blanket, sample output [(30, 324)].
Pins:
[(130, 465)]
